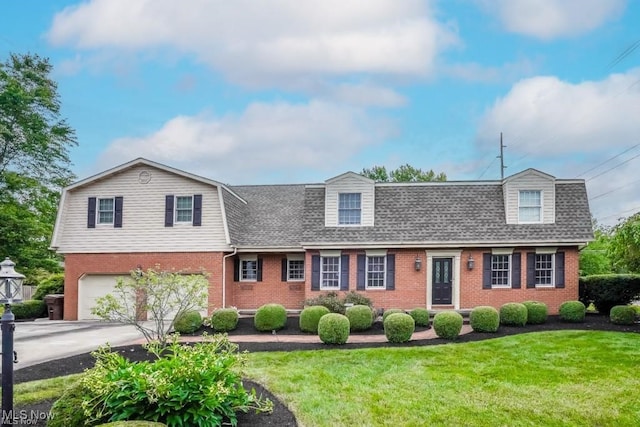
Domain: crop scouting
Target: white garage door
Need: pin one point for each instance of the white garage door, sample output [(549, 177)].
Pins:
[(91, 287)]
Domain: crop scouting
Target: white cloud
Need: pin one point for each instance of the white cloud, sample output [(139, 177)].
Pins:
[(267, 41), (266, 139), (549, 19), (474, 72)]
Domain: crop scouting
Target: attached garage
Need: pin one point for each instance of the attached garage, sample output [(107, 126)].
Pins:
[(90, 288)]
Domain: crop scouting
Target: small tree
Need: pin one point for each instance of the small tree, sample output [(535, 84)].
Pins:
[(162, 296)]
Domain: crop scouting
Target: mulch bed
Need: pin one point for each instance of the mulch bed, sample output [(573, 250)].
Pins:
[(281, 415)]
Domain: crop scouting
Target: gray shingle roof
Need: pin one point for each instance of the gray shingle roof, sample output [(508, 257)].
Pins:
[(293, 215)]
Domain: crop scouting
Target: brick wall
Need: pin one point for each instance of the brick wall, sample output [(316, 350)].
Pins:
[(77, 265)]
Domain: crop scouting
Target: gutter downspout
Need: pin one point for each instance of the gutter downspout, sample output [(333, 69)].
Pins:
[(224, 276)]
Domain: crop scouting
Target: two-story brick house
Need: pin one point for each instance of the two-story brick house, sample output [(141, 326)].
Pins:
[(405, 245)]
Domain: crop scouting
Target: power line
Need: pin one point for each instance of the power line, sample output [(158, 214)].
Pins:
[(615, 167), (607, 161), (623, 55), (614, 190), (637, 208), (490, 164)]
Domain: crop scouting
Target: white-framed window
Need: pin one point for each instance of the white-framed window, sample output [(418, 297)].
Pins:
[(105, 212), (544, 268), (500, 270), (249, 270), (295, 270), (349, 208), (376, 272), (330, 272), (184, 209), (530, 206)]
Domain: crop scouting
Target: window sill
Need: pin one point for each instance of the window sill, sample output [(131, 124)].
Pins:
[(330, 289), (295, 280), (500, 286), (381, 288), (545, 286)]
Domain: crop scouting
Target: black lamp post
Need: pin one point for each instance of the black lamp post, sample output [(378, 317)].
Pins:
[(10, 292)]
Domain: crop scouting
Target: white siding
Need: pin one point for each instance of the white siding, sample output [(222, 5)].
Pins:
[(143, 227), (349, 183), (530, 180)]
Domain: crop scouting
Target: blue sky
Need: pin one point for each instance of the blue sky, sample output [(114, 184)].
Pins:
[(290, 91)]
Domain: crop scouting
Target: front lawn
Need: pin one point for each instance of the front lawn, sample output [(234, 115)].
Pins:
[(545, 378)]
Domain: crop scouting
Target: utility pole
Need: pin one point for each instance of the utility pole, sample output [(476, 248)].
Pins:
[(501, 157)]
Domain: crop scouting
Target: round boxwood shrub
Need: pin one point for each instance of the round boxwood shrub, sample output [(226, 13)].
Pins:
[(360, 317), (270, 317), (389, 312), (398, 327), (447, 324), (310, 317), (224, 319), (29, 309), (536, 312), (513, 314), (484, 319), (572, 311), (333, 328), (622, 315), (188, 322), (420, 316)]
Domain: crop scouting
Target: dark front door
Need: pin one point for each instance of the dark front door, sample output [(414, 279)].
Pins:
[(442, 279)]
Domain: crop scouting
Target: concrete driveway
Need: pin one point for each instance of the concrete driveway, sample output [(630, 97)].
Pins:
[(44, 340)]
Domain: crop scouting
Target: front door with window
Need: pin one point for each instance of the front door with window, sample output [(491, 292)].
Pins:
[(442, 281)]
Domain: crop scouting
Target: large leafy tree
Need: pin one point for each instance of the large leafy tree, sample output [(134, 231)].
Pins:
[(34, 160), (404, 173), (594, 258), (624, 248)]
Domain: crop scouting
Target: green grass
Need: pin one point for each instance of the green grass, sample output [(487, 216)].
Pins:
[(37, 391), (560, 378)]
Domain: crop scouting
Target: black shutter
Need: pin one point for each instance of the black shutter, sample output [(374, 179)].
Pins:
[(362, 274), (486, 271), (531, 270), (344, 273), (91, 213), (560, 270), (168, 211), (284, 270), (236, 269), (516, 260), (197, 210), (391, 272), (259, 270), (117, 220), (315, 273)]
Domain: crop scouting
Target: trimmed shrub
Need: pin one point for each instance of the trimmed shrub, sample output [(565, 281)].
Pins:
[(29, 309), (513, 314), (536, 312), (447, 324), (622, 315), (360, 317), (310, 317), (329, 300), (53, 284), (333, 328), (270, 317), (608, 290), (420, 316), (188, 322), (389, 312), (636, 308), (398, 327), (484, 319), (67, 411), (224, 319), (355, 298), (572, 311)]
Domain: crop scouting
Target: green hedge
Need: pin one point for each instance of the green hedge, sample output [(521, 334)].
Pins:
[(188, 322), (447, 324), (224, 319), (484, 319), (572, 311), (398, 327), (622, 315), (608, 290), (270, 317), (420, 316), (536, 312), (333, 328), (310, 317), (513, 314), (53, 284), (29, 309), (360, 317)]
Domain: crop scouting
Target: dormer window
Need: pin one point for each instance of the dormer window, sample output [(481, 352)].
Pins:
[(530, 206), (349, 209)]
